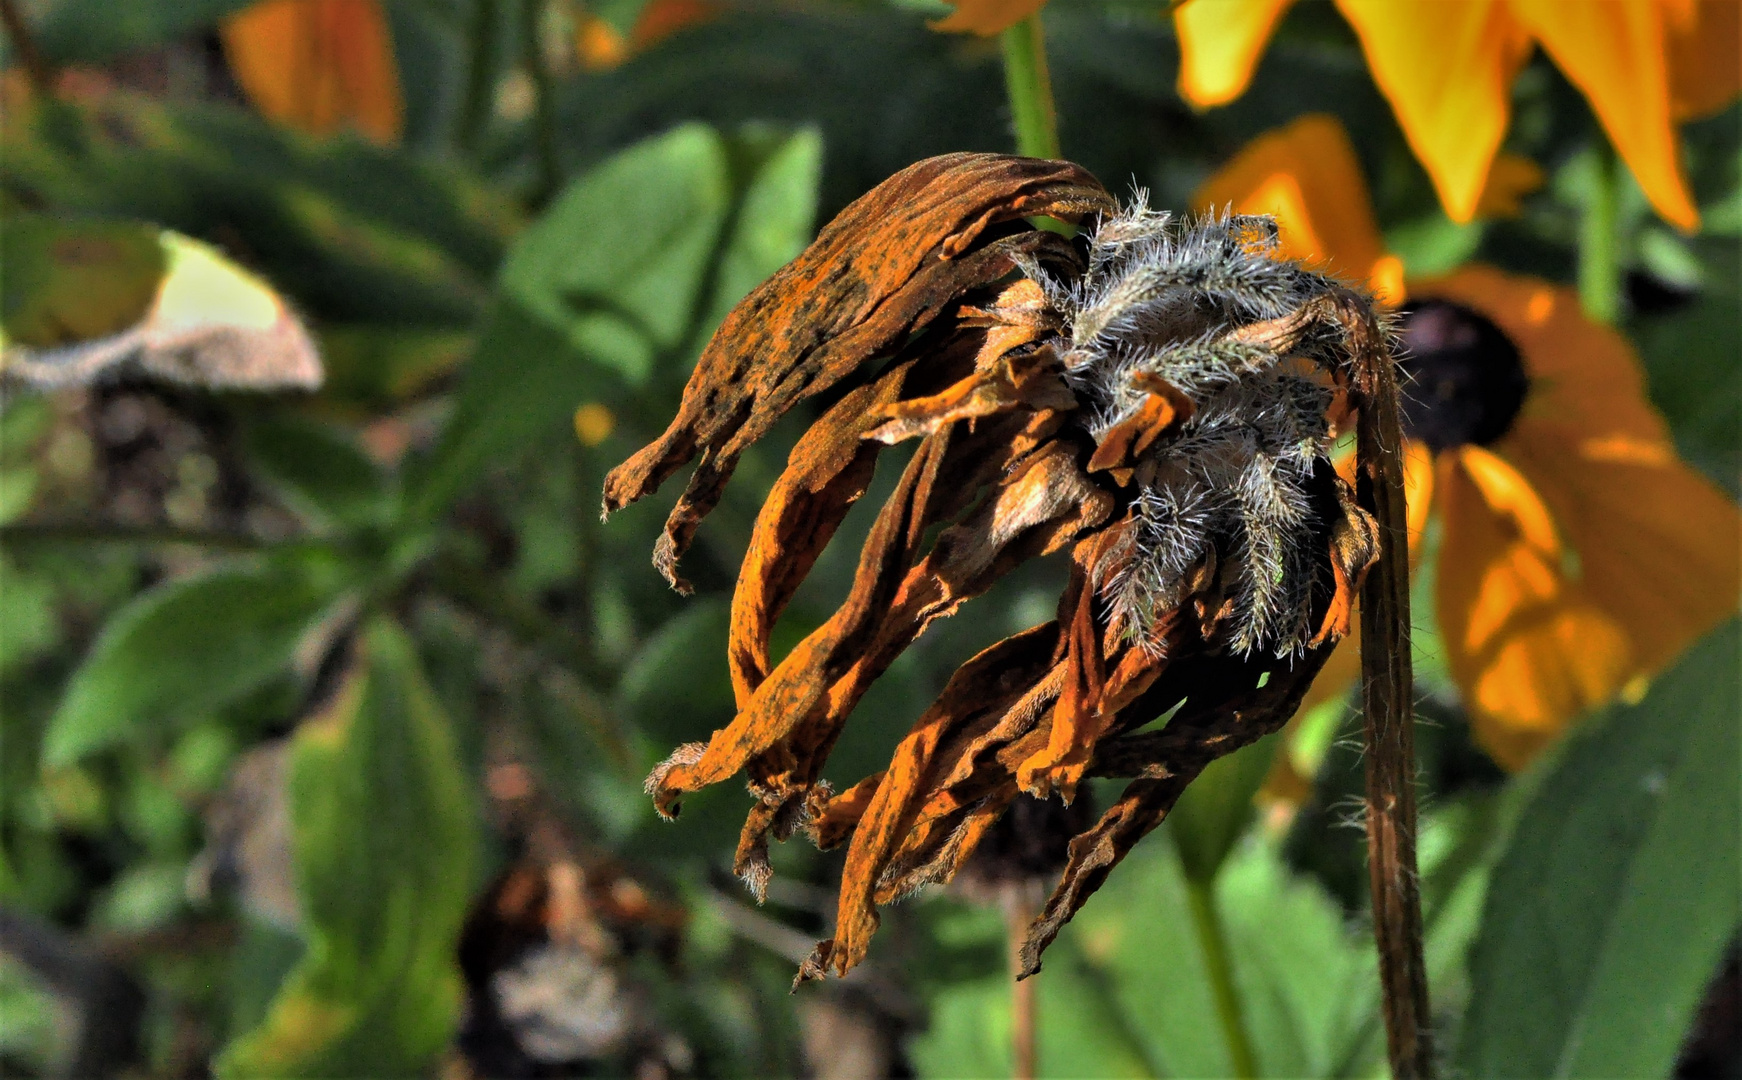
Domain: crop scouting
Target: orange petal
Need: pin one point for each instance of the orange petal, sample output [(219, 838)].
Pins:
[(986, 17), (1447, 69), (1528, 649), (1705, 62), (1510, 179), (1219, 44), (1306, 175), (1658, 547), (318, 65), (1614, 53)]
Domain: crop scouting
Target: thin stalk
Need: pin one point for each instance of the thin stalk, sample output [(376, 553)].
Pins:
[(1388, 709), (1019, 911), (480, 75), (1600, 239), (1029, 86), (29, 57), (1212, 938), (548, 171)]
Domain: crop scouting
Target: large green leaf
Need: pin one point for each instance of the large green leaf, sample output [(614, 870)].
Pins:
[(1618, 892), (183, 648), (614, 289), (319, 469), (385, 837)]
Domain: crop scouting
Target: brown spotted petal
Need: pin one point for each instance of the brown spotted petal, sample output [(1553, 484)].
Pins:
[(884, 268)]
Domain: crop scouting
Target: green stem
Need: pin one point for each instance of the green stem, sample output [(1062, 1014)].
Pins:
[(549, 172), (480, 75), (1600, 240), (1214, 942), (1030, 88)]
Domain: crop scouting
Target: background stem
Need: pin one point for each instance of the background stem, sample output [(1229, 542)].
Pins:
[(1029, 85), (1599, 239), (1019, 911), (480, 75), (1213, 940), (548, 171)]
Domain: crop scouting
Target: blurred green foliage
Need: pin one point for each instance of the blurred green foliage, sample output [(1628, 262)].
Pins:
[(397, 589)]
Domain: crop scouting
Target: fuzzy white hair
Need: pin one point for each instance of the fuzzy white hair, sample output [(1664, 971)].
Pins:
[(1159, 296)]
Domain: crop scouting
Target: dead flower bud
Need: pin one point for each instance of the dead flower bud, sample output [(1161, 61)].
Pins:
[(1156, 397)]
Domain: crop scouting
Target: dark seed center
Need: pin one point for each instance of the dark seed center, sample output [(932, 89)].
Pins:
[(1463, 378)]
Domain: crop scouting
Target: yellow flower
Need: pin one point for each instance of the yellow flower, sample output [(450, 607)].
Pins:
[(1578, 554), (318, 65), (1447, 68)]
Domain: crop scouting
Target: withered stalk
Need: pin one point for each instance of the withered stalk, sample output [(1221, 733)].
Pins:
[(1388, 706)]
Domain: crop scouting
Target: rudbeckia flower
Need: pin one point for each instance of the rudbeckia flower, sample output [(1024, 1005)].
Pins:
[(318, 65), (1578, 554), (1157, 400), (1447, 68)]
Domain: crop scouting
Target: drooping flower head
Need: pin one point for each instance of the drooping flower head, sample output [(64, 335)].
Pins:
[(1158, 398)]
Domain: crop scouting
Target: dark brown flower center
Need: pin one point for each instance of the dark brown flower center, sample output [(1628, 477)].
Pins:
[(1464, 380)]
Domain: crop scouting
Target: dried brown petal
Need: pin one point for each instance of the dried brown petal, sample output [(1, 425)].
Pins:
[(885, 267)]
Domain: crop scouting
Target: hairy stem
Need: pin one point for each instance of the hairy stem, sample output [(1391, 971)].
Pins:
[(1213, 939), (1030, 89), (1387, 698), (1599, 238)]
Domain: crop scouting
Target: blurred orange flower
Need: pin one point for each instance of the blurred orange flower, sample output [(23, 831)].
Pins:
[(318, 65), (602, 46), (1578, 554), (1447, 69), (987, 17)]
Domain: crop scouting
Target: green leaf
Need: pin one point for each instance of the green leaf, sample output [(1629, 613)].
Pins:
[(1618, 891), (386, 842), (1215, 810), (88, 31), (181, 649), (615, 288), (319, 469)]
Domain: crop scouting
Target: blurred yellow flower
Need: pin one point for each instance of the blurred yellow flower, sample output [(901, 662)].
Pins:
[(1578, 554), (1447, 68), (318, 65)]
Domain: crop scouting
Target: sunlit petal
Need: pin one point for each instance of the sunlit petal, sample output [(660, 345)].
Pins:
[(1510, 179), (1447, 69), (1614, 53), (1528, 649), (318, 65), (1219, 43), (1307, 176)]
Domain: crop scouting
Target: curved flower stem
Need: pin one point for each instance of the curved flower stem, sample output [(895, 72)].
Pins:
[(1599, 237), (1213, 940), (1030, 89)]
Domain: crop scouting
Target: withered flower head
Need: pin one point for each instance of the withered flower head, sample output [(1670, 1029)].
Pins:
[(1157, 397)]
